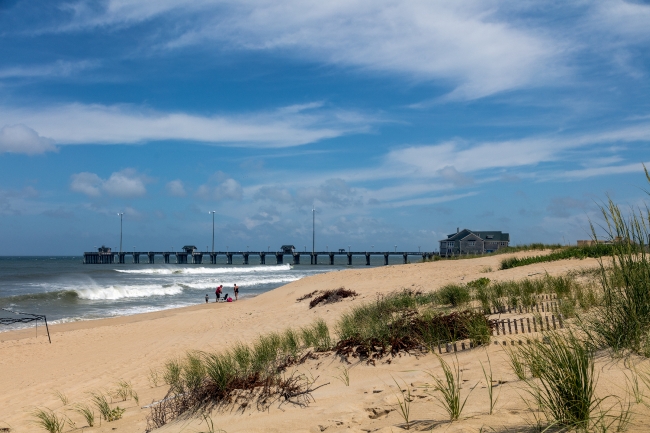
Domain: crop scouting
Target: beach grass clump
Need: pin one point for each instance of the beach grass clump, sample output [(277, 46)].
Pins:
[(454, 295), (107, 413), (565, 388), (201, 380), (86, 412), (405, 321), (449, 389), (48, 420)]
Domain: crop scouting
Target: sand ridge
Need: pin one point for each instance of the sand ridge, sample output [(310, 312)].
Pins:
[(94, 355)]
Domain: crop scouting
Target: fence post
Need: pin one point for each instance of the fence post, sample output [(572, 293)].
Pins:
[(515, 322), (528, 322), (534, 324), (455, 347), (553, 318), (548, 326), (559, 318), (509, 327), (523, 330)]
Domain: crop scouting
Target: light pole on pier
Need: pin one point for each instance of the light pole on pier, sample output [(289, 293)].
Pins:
[(348, 248), (419, 249), (212, 212), (120, 214), (395, 248), (313, 230)]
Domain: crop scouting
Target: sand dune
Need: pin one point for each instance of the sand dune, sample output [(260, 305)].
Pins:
[(94, 355)]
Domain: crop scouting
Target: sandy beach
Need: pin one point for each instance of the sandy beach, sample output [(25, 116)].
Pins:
[(94, 355)]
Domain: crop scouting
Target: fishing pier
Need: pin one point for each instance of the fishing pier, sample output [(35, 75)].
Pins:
[(192, 256)]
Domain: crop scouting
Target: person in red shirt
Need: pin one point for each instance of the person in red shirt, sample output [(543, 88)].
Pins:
[(218, 292)]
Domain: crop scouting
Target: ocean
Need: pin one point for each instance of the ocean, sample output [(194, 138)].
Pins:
[(65, 290)]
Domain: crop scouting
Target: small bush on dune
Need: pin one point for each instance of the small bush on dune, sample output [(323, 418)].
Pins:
[(454, 295)]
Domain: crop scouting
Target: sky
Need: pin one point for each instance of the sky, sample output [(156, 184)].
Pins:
[(397, 121)]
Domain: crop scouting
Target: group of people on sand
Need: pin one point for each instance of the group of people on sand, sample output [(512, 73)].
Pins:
[(219, 291)]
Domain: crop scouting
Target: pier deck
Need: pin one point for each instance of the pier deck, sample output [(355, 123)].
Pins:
[(197, 257)]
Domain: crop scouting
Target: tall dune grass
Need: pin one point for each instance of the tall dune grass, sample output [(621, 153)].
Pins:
[(623, 322), (566, 385)]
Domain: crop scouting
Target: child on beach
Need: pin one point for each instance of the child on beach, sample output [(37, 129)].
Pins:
[(206, 298), (236, 290)]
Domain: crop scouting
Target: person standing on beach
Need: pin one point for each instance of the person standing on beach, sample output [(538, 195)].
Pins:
[(218, 293), (236, 290), (206, 298)]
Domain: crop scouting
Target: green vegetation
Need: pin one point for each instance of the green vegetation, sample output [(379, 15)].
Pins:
[(48, 420), (573, 252), (404, 403), (406, 320), (623, 322), (489, 384), (61, 396), (449, 389), (87, 413), (565, 391), (102, 405), (203, 379), (454, 295)]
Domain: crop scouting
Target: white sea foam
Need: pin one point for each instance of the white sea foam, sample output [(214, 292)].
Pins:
[(243, 283), (207, 271), (116, 292)]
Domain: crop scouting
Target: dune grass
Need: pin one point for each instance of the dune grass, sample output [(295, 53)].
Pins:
[(623, 322), (572, 252), (86, 412), (407, 320), (107, 413), (202, 379), (565, 384), (48, 420), (449, 388)]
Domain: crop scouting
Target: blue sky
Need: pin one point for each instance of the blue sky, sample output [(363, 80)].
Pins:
[(399, 121)]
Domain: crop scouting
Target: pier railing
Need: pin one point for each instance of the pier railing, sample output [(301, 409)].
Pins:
[(197, 257)]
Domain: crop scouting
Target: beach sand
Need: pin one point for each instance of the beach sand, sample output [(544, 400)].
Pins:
[(94, 355)]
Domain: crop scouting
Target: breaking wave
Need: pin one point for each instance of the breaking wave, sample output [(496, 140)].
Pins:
[(207, 271)]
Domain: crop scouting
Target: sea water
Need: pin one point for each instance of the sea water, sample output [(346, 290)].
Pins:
[(64, 289)]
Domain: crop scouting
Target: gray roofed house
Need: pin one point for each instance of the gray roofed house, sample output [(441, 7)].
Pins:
[(473, 242)]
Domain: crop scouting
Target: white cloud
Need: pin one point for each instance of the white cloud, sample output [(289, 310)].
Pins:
[(127, 124), (22, 139), (473, 45), (127, 183), (220, 187), (176, 188), (86, 183)]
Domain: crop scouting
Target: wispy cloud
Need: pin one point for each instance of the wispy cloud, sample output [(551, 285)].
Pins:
[(129, 124), (51, 70), (470, 45)]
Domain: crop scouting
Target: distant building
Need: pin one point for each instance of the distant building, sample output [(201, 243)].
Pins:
[(189, 249), (104, 250), (473, 242)]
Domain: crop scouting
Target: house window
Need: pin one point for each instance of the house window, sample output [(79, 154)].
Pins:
[(472, 243)]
